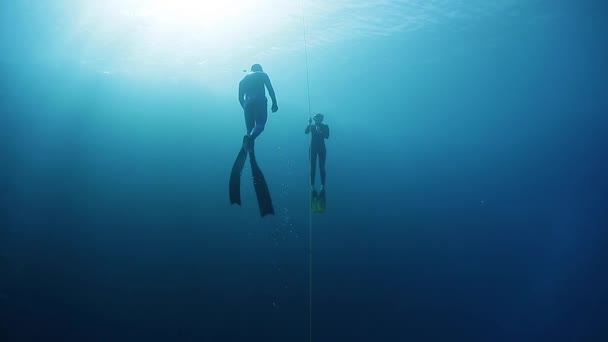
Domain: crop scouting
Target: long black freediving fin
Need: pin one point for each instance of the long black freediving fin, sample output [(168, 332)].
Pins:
[(261, 188), (235, 177)]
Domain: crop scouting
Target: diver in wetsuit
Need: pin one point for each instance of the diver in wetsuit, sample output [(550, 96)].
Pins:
[(252, 97), (319, 132)]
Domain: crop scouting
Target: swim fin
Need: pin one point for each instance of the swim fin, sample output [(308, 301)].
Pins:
[(318, 203), (235, 175), (260, 186)]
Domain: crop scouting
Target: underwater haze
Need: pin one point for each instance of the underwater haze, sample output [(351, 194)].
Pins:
[(466, 171)]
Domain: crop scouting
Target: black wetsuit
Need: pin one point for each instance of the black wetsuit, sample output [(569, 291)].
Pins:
[(252, 97), (319, 133)]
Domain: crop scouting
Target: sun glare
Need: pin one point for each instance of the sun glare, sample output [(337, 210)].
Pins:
[(209, 22), (180, 35)]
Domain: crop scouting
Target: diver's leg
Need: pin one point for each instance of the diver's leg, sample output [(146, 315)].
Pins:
[(322, 156), (313, 165), (260, 117), (249, 110), (249, 123)]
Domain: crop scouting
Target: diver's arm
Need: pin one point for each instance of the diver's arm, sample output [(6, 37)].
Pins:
[(307, 129), (326, 132), (241, 94), (270, 90)]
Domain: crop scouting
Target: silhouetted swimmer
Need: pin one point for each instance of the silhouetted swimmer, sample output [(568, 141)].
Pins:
[(252, 97), (319, 132)]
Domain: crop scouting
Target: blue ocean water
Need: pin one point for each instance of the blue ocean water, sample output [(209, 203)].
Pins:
[(466, 191)]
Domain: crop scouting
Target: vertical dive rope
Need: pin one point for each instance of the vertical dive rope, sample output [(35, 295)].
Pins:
[(309, 179)]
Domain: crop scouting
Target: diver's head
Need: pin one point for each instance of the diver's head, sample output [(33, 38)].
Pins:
[(256, 67), (318, 118)]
